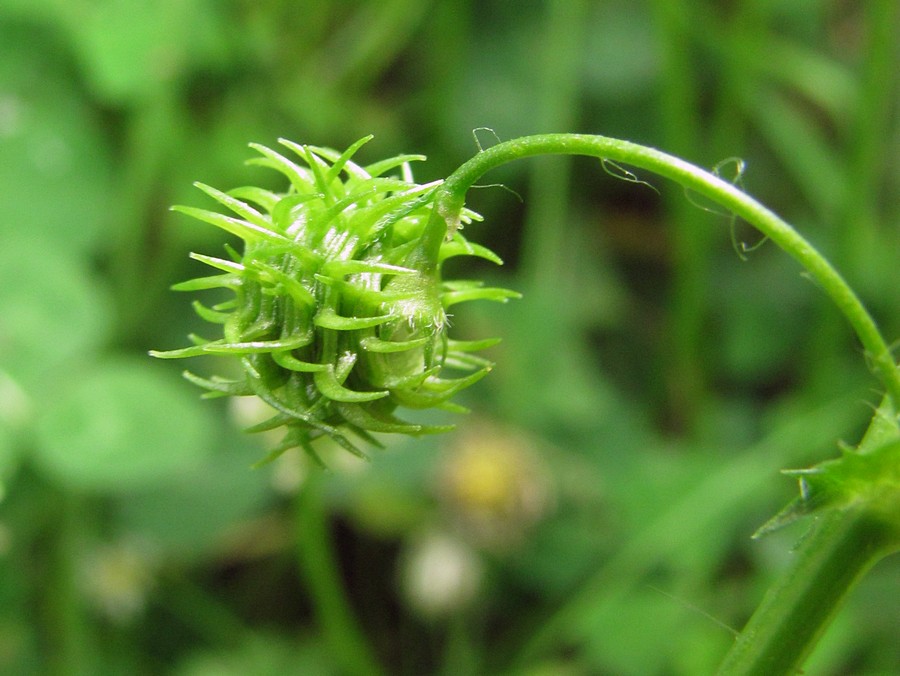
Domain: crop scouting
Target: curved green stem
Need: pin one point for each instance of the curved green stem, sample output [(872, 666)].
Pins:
[(450, 198), (844, 543)]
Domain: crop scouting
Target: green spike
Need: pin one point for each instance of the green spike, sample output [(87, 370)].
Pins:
[(242, 209), (378, 168), (327, 318), (342, 162), (364, 419), (466, 361), (288, 361), (471, 345), (234, 388), (205, 283), (209, 314), (180, 353), (456, 247), (434, 392), (249, 232), (295, 289), (299, 177), (450, 298), (257, 346), (264, 198), (316, 164), (341, 268), (269, 424), (219, 263), (374, 344), (329, 385)]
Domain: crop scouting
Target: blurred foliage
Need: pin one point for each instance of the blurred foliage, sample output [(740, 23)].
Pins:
[(593, 517)]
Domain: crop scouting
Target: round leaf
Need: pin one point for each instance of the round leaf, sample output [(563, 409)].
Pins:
[(55, 177), (52, 310), (124, 425)]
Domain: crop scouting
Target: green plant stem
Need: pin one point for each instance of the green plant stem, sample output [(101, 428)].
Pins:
[(732, 488), (151, 139), (544, 270), (320, 568), (556, 104), (450, 199), (863, 160), (69, 647), (841, 546), (201, 612), (691, 237), (867, 153)]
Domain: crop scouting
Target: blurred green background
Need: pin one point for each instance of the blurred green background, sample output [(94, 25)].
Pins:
[(593, 516)]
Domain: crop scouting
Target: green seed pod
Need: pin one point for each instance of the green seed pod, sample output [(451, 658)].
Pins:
[(339, 313)]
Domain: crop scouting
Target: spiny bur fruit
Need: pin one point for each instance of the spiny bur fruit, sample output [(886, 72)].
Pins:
[(339, 314)]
